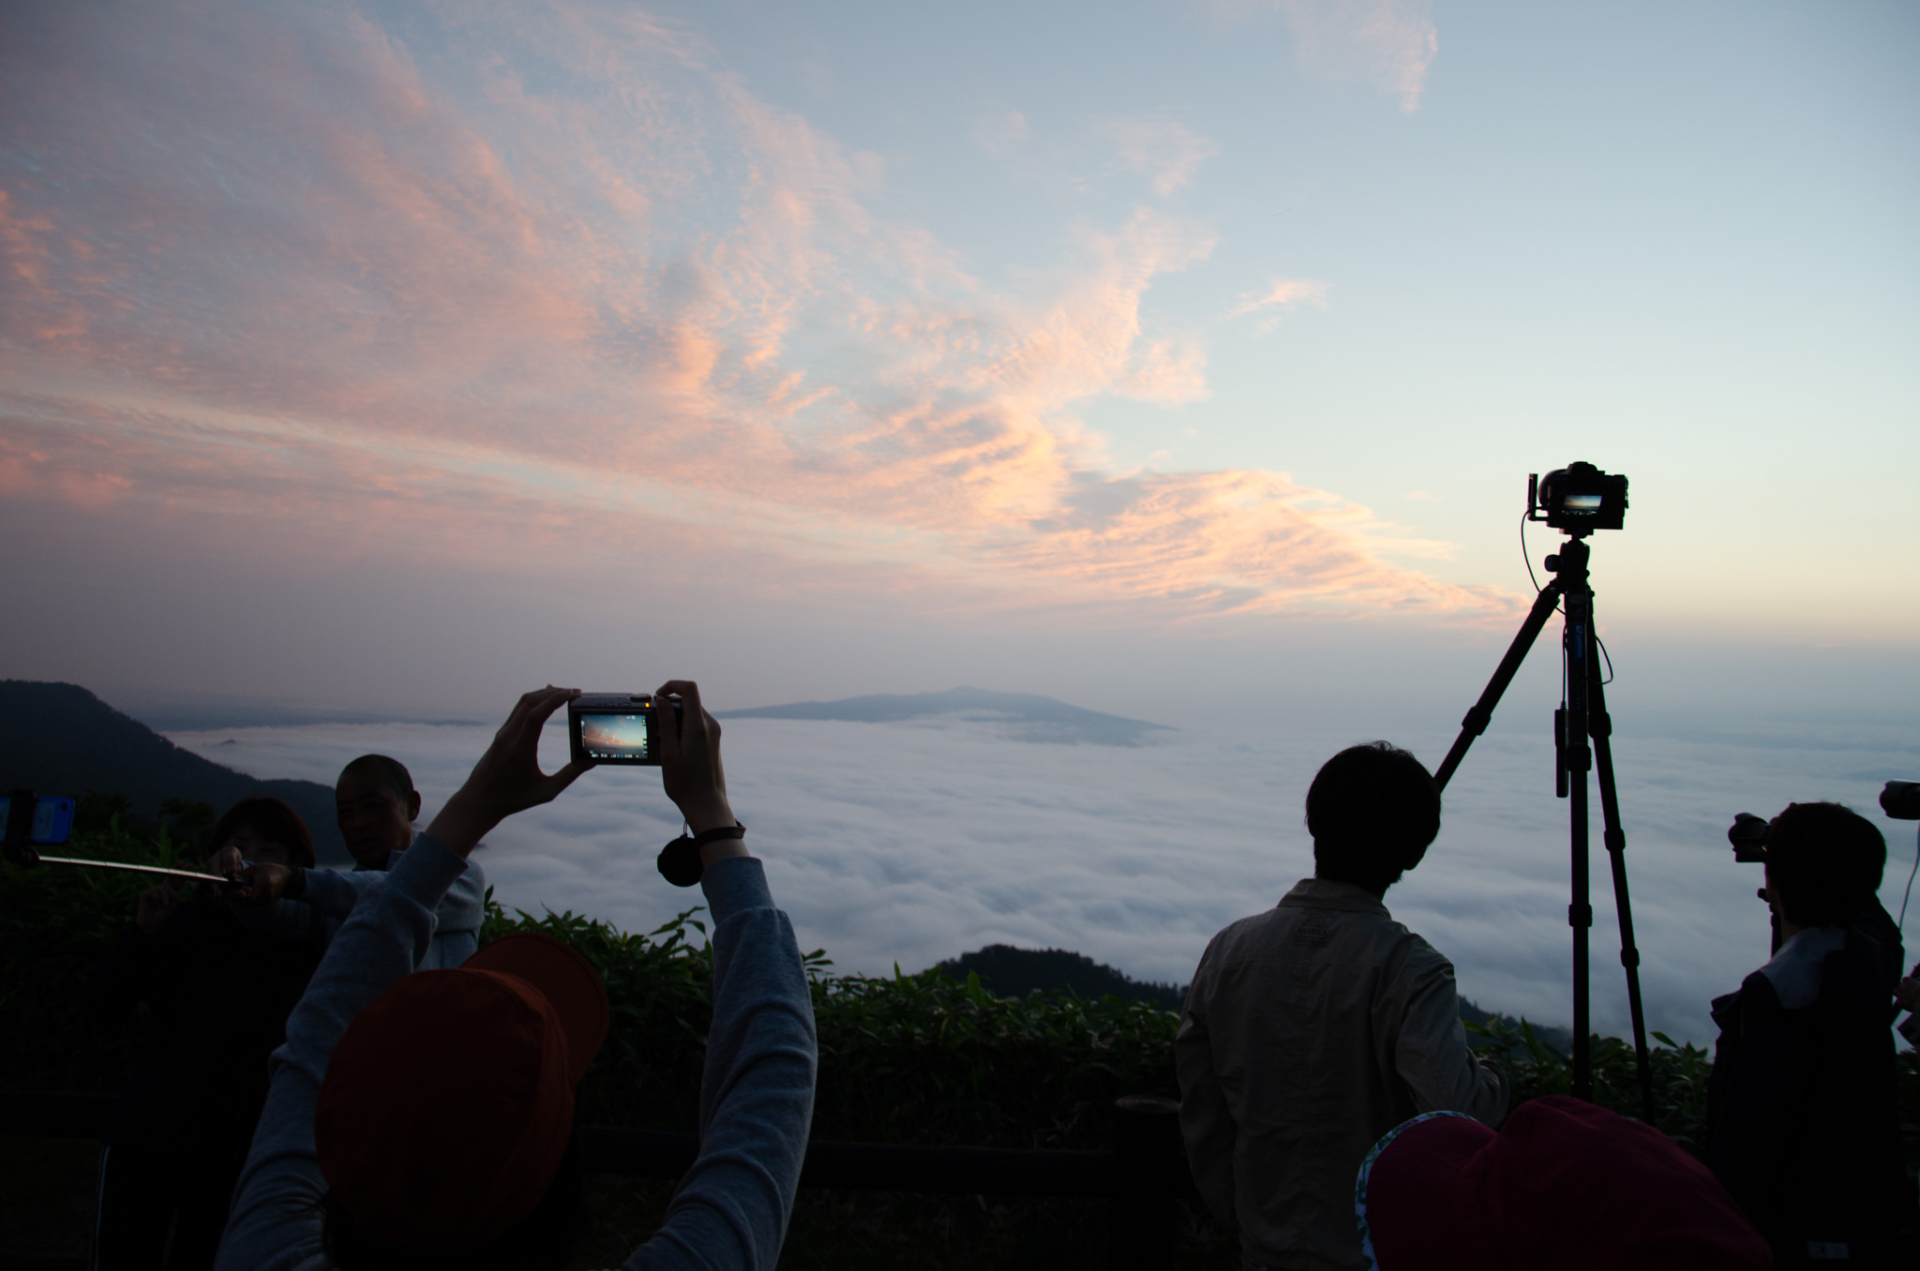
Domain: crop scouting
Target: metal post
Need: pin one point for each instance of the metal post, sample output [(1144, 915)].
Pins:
[(1147, 1151)]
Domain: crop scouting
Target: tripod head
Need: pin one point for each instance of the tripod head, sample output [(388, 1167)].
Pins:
[(1578, 499)]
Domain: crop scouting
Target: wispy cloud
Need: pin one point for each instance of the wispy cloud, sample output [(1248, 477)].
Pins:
[(492, 275), (1275, 299), (1167, 153), (1386, 44)]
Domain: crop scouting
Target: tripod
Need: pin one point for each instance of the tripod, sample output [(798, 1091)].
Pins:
[(1583, 714)]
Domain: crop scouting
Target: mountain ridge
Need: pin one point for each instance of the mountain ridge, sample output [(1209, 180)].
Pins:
[(1028, 716), (60, 739)]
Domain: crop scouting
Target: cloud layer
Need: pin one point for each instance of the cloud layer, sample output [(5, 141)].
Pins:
[(492, 276), (908, 843)]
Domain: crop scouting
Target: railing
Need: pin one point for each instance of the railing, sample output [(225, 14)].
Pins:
[(1142, 1177)]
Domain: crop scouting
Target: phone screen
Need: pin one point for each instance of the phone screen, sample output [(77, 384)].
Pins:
[(52, 819), (617, 738)]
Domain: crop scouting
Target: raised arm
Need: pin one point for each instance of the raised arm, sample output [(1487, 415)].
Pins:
[(756, 1092), (276, 1220)]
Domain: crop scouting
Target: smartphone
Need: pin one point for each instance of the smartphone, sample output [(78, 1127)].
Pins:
[(616, 728), (52, 820)]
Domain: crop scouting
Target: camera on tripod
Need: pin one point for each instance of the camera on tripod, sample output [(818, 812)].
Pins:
[(1579, 499)]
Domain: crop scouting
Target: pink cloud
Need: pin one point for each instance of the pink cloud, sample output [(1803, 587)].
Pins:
[(510, 273)]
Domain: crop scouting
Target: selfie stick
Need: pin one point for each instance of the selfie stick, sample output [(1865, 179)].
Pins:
[(1584, 715), (136, 869)]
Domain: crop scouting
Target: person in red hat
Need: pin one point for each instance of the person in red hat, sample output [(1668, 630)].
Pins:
[(424, 1119), (1563, 1185)]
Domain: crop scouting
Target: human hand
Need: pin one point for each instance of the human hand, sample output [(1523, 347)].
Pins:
[(263, 882), (155, 904), (508, 778), (690, 767), (1907, 993)]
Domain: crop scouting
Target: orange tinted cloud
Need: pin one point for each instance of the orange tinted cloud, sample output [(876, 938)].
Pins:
[(534, 268)]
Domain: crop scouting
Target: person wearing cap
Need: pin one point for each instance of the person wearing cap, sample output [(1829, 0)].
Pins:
[(1802, 1109), (426, 1119), (1564, 1184), (1312, 1028), (220, 981)]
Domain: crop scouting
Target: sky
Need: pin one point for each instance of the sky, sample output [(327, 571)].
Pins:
[(1190, 353), (1180, 359), (906, 843)]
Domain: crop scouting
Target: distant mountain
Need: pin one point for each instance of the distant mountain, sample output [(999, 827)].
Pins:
[(1028, 716), (61, 739), (1006, 971)]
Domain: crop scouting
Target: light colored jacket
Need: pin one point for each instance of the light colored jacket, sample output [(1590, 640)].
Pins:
[(1310, 1031)]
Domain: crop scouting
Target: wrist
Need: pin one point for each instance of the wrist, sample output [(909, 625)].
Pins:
[(708, 816), (296, 883)]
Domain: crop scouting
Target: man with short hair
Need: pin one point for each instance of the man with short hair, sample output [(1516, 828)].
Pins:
[(376, 805), (1314, 1028), (424, 1120), (1802, 1119)]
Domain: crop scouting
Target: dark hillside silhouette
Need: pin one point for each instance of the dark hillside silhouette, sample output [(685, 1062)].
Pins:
[(59, 739), (1006, 971)]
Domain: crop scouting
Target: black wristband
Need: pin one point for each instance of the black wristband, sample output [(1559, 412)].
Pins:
[(297, 884), (679, 861)]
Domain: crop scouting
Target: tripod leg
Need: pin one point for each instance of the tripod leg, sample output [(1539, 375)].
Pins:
[(1600, 724), (1482, 713), (1577, 646)]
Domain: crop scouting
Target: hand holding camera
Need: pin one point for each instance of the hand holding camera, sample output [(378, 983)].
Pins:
[(508, 778)]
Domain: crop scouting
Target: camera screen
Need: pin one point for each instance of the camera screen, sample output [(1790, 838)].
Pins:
[(606, 737), (1581, 503)]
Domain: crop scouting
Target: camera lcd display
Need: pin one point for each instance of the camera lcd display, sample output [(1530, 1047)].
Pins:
[(1581, 502), (624, 738)]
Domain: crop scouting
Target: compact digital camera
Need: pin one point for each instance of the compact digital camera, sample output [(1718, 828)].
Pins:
[(617, 728)]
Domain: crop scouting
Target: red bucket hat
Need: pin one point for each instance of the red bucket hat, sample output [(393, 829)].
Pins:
[(447, 1107), (1565, 1184)]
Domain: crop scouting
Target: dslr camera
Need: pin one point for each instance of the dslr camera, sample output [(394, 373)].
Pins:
[(1578, 499), (617, 728)]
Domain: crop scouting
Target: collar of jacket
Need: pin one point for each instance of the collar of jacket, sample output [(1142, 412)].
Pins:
[(1326, 893)]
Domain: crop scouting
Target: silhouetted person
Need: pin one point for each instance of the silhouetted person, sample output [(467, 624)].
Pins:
[(424, 1119), (1314, 1028), (221, 981), (1802, 1125), (376, 805)]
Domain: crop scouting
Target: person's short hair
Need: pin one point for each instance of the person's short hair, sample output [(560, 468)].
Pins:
[(272, 820), (1825, 860), (548, 1237), (390, 772), (1372, 810)]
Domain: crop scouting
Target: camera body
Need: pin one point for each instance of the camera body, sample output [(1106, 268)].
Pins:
[(1748, 834), (1901, 800), (1578, 499), (617, 728)]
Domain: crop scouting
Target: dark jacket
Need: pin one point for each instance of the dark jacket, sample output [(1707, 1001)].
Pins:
[(1802, 1123), (221, 986)]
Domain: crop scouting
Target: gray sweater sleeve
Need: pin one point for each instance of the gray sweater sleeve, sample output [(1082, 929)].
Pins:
[(756, 1095), (275, 1219)]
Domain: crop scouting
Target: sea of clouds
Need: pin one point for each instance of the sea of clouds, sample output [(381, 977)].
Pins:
[(905, 843)]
